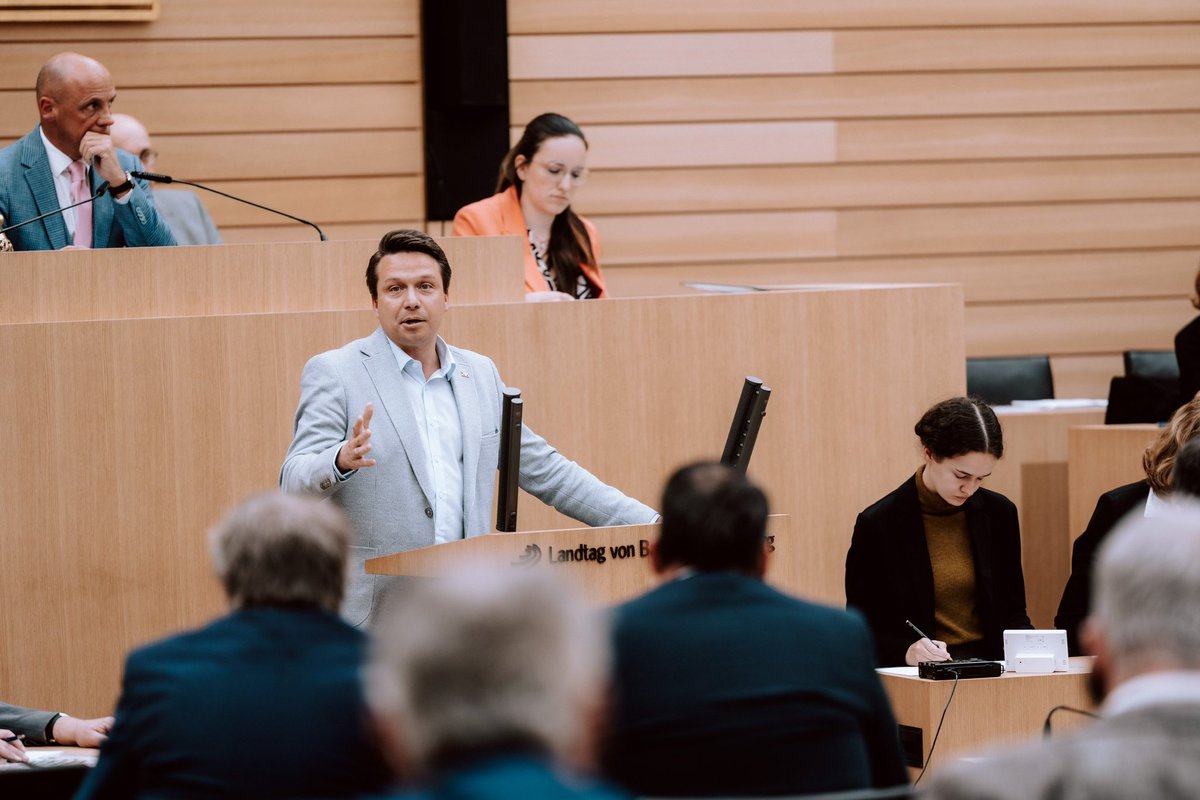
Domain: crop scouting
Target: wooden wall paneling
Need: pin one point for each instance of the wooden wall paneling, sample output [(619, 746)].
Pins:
[(580, 16), (1050, 135), (635, 55), (1016, 48), (182, 396), (213, 62), (1015, 228), (689, 236), (357, 199), (786, 184), (244, 156), (241, 279), (708, 144), (1097, 326), (842, 96), (235, 19)]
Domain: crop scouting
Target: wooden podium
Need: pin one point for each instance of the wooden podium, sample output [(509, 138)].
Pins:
[(608, 565)]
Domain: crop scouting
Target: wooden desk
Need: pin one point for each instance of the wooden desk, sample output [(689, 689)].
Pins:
[(1100, 458), (1033, 474), (985, 711)]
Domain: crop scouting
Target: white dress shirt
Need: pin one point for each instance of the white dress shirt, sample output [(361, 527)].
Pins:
[(1153, 689)]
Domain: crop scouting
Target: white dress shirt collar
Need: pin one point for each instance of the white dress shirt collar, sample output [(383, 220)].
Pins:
[(1153, 689)]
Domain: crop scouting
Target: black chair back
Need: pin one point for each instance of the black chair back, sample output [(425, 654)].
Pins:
[(999, 381)]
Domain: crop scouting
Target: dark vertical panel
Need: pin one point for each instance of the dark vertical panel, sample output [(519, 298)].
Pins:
[(465, 66)]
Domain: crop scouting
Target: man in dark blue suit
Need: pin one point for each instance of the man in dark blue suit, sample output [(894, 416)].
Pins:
[(265, 702), (725, 686), (66, 158)]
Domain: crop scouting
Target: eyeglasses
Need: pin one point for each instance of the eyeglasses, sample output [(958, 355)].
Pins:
[(556, 169), (149, 154)]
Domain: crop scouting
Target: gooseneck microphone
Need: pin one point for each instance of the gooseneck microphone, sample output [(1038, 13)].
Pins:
[(155, 177), (100, 190)]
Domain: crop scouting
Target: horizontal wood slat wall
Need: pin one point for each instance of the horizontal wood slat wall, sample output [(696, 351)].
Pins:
[(1044, 153), (313, 108)]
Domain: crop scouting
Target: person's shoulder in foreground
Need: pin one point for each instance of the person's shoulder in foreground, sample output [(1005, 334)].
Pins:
[(1144, 635)]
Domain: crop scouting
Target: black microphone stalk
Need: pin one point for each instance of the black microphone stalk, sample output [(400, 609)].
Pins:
[(155, 177), (100, 190)]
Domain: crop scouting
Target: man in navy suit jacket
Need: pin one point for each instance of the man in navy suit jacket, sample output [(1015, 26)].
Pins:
[(724, 686), (265, 702), (75, 95)]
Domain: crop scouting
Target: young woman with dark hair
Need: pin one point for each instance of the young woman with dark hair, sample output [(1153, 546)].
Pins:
[(538, 180), (940, 552)]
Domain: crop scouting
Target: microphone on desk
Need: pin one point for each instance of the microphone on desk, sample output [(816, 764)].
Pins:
[(100, 190), (155, 177)]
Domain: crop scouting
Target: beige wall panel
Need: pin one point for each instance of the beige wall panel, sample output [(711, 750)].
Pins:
[(652, 238), (1085, 376), (1018, 137), (232, 19), (704, 144), (856, 185), (230, 62), (1096, 327), (242, 109), (1100, 458), (934, 94), (357, 199), (302, 233), (265, 155), (1002, 277), (235, 279), (663, 55), (127, 545), (1017, 48), (583, 16), (1019, 228)]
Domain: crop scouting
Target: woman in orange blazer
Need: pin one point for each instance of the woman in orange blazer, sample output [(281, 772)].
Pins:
[(538, 179)]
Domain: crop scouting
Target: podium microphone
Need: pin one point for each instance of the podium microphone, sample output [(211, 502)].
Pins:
[(100, 190), (155, 177)]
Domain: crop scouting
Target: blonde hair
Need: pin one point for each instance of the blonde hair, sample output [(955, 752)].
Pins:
[(1159, 458)]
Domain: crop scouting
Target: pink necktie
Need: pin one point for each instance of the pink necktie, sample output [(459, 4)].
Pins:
[(83, 215)]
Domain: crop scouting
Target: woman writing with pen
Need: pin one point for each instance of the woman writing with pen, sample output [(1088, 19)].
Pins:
[(940, 554)]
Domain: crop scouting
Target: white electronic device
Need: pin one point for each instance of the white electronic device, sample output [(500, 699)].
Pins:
[(1035, 651)]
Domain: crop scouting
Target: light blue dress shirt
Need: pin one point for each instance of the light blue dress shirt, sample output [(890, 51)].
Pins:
[(436, 412)]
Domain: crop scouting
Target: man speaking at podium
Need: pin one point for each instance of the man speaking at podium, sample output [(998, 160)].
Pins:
[(64, 160), (403, 430)]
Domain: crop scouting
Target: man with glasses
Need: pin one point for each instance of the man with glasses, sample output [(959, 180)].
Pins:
[(182, 209)]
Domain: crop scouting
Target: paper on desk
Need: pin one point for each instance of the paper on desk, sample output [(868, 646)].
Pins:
[(1060, 404), (58, 758), (904, 672)]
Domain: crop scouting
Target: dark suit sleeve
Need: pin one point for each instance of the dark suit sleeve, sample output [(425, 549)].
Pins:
[(1009, 576), (26, 722), (880, 730), (138, 218), (115, 773), (866, 591), (1076, 600)]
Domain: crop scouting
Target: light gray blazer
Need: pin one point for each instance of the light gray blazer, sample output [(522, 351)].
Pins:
[(186, 216), (389, 504), (1148, 752)]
